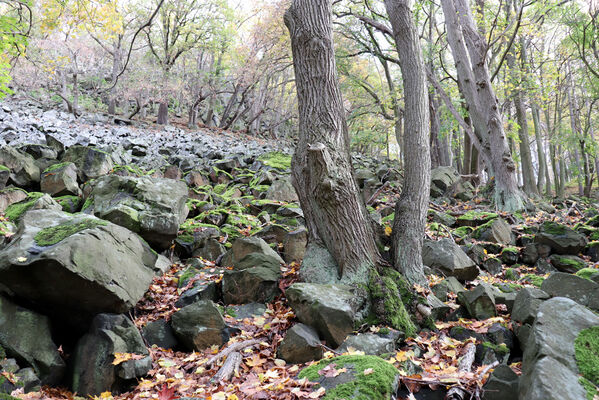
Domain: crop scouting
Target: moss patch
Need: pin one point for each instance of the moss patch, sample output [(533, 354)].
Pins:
[(15, 211), (276, 160), (4, 168), (389, 293), (69, 204), (588, 386), (54, 234), (587, 273), (377, 385), (55, 167), (586, 348), (554, 228)]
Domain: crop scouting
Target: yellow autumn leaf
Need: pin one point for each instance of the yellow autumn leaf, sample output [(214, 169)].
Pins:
[(388, 230)]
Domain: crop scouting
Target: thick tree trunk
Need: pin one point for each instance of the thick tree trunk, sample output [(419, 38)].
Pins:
[(412, 207), (162, 114), (468, 44), (322, 172)]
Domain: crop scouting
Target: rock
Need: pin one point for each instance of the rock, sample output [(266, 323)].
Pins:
[(249, 310), (529, 254), (449, 259), (502, 384), (444, 178), (369, 343), (38, 151), (333, 310), (549, 369), (26, 335), (506, 298), (254, 279), (510, 255), (160, 333), (475, 218), (560, 238), (10, 196), (248, 245), (446, 286), (172, 172), (493, 265), (23, 170), (295, 245), (91, 163), (544, 266), (527, 303), (195, 179), (496, 231), (583, 291), (592, 250), (201, 290), (199, 325), (93, 371), (4, 176), (60, 180), (380, 382), (54, 255), (567, 263), (54, 144), (300, 345), (282, 190), (152, 207), (29, 380), (480, 301)]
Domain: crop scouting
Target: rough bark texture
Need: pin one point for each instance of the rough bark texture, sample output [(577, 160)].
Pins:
[(322, 173), (162, 114), (412, 207), (466, 44)]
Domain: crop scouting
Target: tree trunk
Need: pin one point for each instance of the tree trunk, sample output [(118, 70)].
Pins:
[(162, 114), (468, 44), (412, 207), (322, 172)]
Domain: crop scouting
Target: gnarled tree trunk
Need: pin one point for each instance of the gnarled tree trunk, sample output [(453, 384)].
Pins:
[(322, 172)]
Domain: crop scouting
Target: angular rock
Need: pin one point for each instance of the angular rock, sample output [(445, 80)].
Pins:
[(497, 231), (201, 290), (91, 163), (493, 265), (23, 170), (592, 250), (549, 369), (26, 336), (29, 380), (502, 384), (480, 301), (446, 286), (369, 343), (199, 325), (529, 254), (583, 291), (527, 304), (295, 245), (510, 255), (449, 258), (75, 266), (92, 369), (4, 176), (10, 196), (444, 177), (248, 245), (333, 310), (160, 333), (282, 190), (561, 238), (300, 345), (248, 284), (152, 207), (60, 180), (567, 263)]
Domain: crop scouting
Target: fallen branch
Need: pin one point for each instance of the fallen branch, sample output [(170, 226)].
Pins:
[(230, 367), (233, 348), (376, 193), (465, 365)]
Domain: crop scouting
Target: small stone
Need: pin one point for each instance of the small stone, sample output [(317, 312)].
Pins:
[(300, 345)]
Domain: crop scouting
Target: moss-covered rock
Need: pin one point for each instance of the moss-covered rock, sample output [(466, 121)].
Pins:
[(388, 300), (475, 218), (276, 159), (54, 234), (16, 210), (591, 274), (69, 204), (365, 378)]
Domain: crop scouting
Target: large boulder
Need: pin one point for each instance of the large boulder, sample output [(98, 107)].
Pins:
[(60, 180), (282, 190), (24, 171), (583, 291), (152, 207), (447, 257), (75, 266), (561, 239), (443, 178), (333, 310), (479, 302), (495, 231), (91, 162), (93, 365), (549, 369), (26, 336)]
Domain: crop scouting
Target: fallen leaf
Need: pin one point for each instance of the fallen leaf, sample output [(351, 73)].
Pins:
[(368, 371)]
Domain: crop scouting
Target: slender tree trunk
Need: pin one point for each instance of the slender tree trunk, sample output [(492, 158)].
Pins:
[(322, 172), (75, 93), (412, 207), (468, 44), (116, 68), (162, 114)]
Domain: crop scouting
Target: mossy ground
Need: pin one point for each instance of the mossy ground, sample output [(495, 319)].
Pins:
[(377, 385), (586, 348), (54, 234), (276, 160), (553, 228)]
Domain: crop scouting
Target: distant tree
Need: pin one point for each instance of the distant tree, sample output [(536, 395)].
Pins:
[(15, 28)]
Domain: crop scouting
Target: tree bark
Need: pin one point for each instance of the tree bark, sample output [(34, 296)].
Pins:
[(412, 207), (467, 43), (322, 172), (162, 114)]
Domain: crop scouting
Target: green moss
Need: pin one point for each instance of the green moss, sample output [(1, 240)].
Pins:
[(4, 168), (587, 273), (586, 347), (55, 167), (498, 348), (377, 385), (186, 275), (88, 203), (15, 211), (69, 204), (554, 228), (462, 231), (572, 262), (511, 274), (533, 279), (276, 159), (477, 217), (2, 353), (54, 234), (588, 386), (4, 396), (391, 292)]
